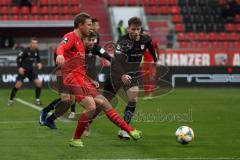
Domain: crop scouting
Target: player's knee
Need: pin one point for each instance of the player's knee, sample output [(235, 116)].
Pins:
[(65, 97), (38, 83)]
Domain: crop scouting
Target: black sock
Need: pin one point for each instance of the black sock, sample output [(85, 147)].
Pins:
[(51, 106), (13, 93), (73, 107), (38, 92), (129, 110), (51, 118)]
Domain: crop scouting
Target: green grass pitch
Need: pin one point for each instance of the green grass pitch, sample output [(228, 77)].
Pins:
[(213, 114)]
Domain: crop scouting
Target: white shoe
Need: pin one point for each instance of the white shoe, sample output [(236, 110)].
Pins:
[(10, 103), (123, 135), (71, 115)]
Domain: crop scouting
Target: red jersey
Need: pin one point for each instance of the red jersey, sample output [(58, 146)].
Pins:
[(147, 56), (72, 48)]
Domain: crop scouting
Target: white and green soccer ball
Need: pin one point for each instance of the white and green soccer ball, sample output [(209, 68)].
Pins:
[(184, 134)]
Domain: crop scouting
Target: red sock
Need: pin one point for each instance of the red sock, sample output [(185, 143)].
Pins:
[(116, 119), (83, 123)]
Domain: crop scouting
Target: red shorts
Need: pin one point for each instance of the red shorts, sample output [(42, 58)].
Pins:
[(80, 85)]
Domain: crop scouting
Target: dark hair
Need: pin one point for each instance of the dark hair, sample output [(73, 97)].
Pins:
[(80, 19), (33, 39), (134, 21), (92, 34), (94, 20)]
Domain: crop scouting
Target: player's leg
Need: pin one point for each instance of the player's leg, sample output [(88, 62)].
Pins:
[(47, 109), (73, 110), (16, 87), (115, 117), (61, 108), (38, 87), (83, 121), (132, 94)]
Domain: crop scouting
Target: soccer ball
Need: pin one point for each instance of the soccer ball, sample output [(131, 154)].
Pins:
[(184, 134)]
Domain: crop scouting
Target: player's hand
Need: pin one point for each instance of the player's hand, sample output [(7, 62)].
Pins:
[(21, 70), (126, 79), (96, 84), (39, 66), (60, 60)]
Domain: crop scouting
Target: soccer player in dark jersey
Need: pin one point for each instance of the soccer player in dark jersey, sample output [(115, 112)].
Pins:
[(70, 56), (125, 68), (25, 60), (91, 50), (96, 28)]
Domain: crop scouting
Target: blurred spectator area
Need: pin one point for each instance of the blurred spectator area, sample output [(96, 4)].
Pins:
[(39, 10)]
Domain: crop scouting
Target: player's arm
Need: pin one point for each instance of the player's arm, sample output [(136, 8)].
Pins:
[(101, 52), (118, 65), (151, 49), (21, 56), (38, 61), (65, 45)]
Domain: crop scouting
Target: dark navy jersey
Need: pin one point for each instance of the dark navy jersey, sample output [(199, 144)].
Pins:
[(27, 57), (129, 53)]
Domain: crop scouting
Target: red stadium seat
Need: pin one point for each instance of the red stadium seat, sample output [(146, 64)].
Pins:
[(44, 18), (15, 18), (192, 36), (143, 2), (233, 36), (54, 2), (216, 45), (44, 2), (44, 10), (35, 17), (147, 10), (183, 44), (15, 10), (55, 17), (152, 2), (55, 10), (172, 2), (75, 2), (205, 45), (5, 18), (174, 10), (4, 10), (212, 36), (24, 18), (230, 27), (164, 10), (226, 45), (5, 2), (111, 2), (176, 18), (179, 28), (67, 17), (65, 10), (238, 27), (202, 36), (153, 10), (162, 2), (182, 37), (25, 10), (222, 36), (236, 45), (121, 2), (75, 10), (35, 10), (65, 2), (132, 2), (237, 17)]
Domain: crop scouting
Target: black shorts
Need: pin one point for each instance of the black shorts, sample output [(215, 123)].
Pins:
[(30, 74), (112, 86)]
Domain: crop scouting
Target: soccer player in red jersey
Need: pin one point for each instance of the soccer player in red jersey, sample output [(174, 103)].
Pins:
[(70, 55), (149, 69)]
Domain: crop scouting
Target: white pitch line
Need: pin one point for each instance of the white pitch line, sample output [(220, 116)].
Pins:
[(173, 158), (38, 108)]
